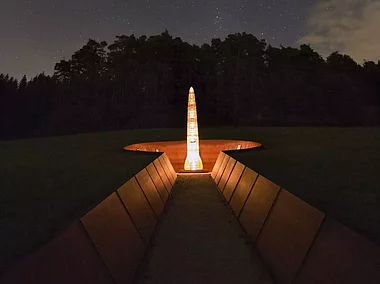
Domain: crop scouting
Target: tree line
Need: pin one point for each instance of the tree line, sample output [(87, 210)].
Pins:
[(143, 82)]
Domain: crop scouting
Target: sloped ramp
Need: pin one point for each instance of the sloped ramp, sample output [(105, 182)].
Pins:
[(199, 240)]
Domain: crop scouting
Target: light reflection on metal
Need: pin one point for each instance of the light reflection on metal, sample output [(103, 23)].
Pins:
[(193, 160)]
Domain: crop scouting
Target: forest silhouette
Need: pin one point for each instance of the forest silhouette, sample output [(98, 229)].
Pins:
[(141, 82)]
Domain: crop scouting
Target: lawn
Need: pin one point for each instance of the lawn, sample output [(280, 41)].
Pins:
[(47, 183), (336, 170)]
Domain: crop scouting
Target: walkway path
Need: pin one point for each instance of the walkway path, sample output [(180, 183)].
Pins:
[(199, 240)]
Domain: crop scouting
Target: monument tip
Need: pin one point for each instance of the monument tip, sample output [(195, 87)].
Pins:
[(191, 90)]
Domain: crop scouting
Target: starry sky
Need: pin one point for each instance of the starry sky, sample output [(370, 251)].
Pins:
[(35, 34)]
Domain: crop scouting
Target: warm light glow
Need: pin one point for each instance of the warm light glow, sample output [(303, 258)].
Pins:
[(193, 160)]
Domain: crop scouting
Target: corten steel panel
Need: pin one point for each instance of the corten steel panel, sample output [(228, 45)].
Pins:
[(167, 169), (157, 182), (217, 164), (226, 174), (287, 235), (68, 258), (170, 166), (150, 191), (138, 207), (242, 190), (233, 181), (161, 181), (258, 205), (167, 162), (163, 175), (223, 164), (340, 256), (221, 169), (115, 237)]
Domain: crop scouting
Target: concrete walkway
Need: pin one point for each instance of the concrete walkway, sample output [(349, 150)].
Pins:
[(199, 240)]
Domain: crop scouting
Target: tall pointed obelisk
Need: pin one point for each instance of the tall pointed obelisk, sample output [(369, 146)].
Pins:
[(193, 160)]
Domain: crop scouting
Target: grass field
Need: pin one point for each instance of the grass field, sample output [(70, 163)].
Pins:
[(335, 170), (47, 183)]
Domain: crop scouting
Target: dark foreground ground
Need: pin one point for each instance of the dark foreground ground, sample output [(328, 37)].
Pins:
[(46, 183), (200, 241)]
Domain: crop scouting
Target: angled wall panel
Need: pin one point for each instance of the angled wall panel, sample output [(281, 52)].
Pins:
[(163, 175), (258, 205), (167, 170), (226, 174), (221, 169), (242, 190), (340, 256), (217, 164), (115, 238), (150, 191), (166, 160), (287, 235), (68, 258), (158, 182), (169, 164), (138, 207), (233, 181)]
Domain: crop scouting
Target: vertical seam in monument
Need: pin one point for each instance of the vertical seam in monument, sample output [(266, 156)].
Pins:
[(224, 169), (269, 212), (172, 170), (220, 168), (167, 189), (308, 250), (161, 179), (150, 205), (163, 162), (155, 186), (228, 158), (97, 252), (250, 190), (214, 166), (165, 173), (130, 217), (168, 173), (228, 178), (170, 165), (233, 191)]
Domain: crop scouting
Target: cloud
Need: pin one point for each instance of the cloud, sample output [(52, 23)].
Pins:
[(348, 26)]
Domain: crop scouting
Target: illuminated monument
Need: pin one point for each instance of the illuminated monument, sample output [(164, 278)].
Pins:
[(190, 148), (193, 160)]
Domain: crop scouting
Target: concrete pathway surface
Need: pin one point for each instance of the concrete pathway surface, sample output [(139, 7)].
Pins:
[(199, 240)]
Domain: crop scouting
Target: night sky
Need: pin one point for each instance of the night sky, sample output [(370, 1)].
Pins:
[(35, 34)]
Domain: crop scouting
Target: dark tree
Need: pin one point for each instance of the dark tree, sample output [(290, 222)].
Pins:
[(143, 82)]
